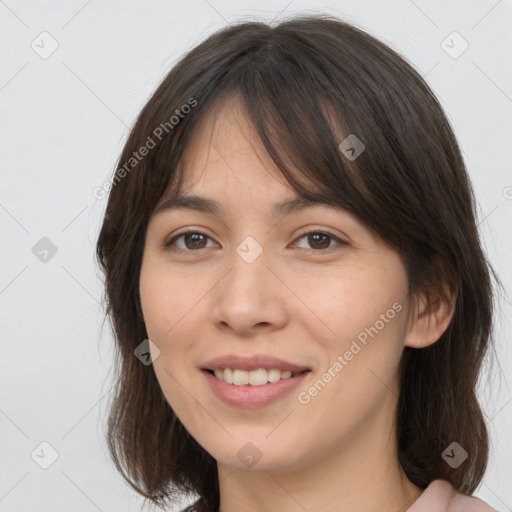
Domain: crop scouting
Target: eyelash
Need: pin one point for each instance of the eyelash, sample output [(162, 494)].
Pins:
[(168, 245)]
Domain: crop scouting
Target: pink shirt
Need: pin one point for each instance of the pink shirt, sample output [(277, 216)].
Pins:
[(441, 496)]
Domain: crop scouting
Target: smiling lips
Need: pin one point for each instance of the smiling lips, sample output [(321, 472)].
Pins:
[(254, 362), (254, 377), (251, 382)]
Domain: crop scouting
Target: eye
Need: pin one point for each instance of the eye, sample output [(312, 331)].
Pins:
[(195, 240), (320, 240)]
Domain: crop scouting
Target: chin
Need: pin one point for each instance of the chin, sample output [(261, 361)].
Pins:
[(256, 454)]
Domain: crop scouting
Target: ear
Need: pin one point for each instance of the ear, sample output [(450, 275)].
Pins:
[(430, 317)]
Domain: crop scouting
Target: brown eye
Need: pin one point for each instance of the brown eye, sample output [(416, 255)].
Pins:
[(320, 241), (193, 240)]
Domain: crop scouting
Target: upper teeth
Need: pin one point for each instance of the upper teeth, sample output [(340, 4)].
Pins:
[(254, 377)]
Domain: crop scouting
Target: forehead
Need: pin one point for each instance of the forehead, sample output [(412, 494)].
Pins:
[(225, 140), (225, 161)]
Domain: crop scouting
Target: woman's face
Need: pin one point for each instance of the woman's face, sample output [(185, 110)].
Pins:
[(250, 282)]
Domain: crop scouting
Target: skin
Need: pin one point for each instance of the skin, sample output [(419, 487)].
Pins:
[(296, 301)]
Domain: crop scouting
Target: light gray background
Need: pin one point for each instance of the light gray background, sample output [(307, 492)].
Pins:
[(64, 120)]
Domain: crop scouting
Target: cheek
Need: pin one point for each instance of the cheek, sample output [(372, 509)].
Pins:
[(355, 300), (366, 314), (164, 302), (169, 301), (165, 298), (359, 375)]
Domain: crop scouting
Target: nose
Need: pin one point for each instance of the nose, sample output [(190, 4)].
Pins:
[(250, 297)]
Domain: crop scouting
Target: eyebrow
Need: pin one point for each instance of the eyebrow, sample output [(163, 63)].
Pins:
[(207, 205)]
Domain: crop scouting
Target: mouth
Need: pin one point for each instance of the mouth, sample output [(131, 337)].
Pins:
[(258, 377), (252, 389)]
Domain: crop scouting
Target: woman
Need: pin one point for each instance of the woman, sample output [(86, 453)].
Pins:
[(290, 240)]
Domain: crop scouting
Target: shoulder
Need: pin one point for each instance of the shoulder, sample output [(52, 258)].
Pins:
[(441, 496)]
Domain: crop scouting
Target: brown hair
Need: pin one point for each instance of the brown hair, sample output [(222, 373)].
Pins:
[(303, 83)]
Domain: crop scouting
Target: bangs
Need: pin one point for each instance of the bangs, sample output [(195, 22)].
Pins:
[(312, 128)]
